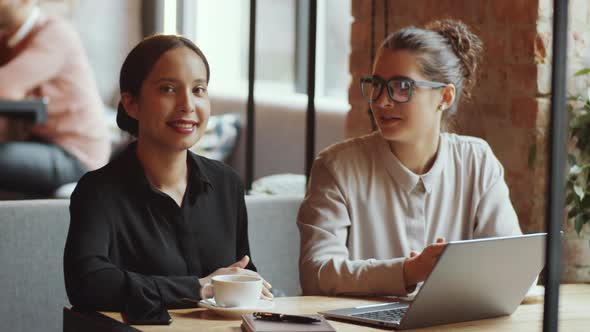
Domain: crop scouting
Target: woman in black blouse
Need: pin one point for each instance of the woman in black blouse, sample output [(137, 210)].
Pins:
[(154, 225)]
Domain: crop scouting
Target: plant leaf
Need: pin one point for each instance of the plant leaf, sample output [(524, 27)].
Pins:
[(575, 170), (580, 122), (571, 197), (571, 159), (578, 181), (579, 191), (579, 223), (582, 72), (573, 213)]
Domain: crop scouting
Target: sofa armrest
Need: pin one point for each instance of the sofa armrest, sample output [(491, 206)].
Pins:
[(274, 240), (32, 238)]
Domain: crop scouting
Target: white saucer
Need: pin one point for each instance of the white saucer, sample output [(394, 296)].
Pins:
[(235, 312)]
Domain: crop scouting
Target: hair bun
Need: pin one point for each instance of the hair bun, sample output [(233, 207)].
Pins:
[(465, 44)]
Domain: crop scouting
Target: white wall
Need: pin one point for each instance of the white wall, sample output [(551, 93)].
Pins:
[(109, 29)]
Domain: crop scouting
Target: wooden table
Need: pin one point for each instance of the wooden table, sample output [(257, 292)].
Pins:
[(574, 315)]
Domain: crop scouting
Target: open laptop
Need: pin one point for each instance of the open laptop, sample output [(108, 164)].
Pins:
[(473, 279)]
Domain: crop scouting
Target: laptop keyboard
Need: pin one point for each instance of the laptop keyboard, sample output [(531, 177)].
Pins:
[(392, 315)]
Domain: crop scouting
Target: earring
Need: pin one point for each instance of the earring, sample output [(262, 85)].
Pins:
[(441, 108)]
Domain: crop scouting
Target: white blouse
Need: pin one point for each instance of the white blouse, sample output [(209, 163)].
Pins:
[(364, 211)]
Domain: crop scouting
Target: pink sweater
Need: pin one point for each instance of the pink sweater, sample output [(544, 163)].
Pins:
[(51, 62)]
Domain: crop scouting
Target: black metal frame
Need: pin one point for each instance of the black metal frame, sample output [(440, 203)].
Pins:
[(250, 112), (557, 157), (310, 115), (311, 64), (151, 20), (180, 17), (301, 44)]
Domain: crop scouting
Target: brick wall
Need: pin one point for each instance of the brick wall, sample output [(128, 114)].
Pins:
[(510, 108)]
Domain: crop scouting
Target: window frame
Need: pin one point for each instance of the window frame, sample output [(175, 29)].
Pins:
[(186, 23)]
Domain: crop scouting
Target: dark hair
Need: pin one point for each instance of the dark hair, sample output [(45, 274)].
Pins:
[(138, 65), (447, 52)]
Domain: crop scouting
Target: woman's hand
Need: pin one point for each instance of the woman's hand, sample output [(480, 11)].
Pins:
[(419, 265), (238, 268)]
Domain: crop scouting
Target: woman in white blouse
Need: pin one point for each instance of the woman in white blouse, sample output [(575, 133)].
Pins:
[(379, 208)]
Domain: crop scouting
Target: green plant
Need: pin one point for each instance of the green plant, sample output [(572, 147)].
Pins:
[(578, 186)]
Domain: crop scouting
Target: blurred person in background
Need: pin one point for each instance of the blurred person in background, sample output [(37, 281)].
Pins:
[(43, 57)]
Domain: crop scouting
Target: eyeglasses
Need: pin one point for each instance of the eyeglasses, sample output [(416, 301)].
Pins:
[(399, 89)]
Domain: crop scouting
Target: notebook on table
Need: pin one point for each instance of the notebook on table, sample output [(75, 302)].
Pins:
[(251, 324)]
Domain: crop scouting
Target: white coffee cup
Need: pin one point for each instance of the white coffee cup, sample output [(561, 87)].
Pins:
[(232, 290)]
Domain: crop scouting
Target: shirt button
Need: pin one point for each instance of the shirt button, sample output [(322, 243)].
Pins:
[(420, 187)]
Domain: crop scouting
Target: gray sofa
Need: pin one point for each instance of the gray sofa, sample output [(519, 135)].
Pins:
[(32, 238)]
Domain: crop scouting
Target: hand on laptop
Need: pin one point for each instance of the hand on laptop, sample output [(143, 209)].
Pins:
[(419, 265), (239, 268)]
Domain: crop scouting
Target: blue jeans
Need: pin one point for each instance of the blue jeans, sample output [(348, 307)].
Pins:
[(35, 167)]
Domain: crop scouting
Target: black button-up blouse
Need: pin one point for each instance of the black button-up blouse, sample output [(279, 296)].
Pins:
[(131, 247)]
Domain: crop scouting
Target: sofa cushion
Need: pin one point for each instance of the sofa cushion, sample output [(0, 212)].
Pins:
[(274, 240), (32, 239), (280, 184), (219, 140)]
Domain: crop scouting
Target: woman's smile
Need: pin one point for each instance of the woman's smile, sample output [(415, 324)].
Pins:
[(183, 126)]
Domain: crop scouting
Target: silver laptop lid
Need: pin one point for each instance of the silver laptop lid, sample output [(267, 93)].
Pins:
[(478, 279), (473, 279)]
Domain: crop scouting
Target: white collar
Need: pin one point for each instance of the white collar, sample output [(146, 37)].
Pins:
[(24, 30), (407, 179)]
